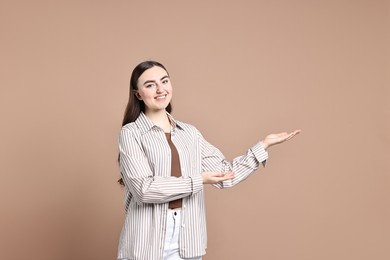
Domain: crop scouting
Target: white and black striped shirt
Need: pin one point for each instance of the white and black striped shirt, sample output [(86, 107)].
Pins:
[(145, 163)]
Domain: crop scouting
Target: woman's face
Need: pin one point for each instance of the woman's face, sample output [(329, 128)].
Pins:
[(154, 89)]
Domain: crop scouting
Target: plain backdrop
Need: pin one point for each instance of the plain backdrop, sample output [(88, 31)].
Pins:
[(240, 70)]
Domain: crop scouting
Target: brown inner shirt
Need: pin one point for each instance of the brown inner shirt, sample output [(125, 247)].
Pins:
[(175, 169)]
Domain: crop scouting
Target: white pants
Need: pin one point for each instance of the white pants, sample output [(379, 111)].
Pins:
[(171, 247)]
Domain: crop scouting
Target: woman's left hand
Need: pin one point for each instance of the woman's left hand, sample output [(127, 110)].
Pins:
[(273, 139)]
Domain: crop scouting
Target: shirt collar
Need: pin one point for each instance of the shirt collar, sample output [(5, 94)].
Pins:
[(145, 125)]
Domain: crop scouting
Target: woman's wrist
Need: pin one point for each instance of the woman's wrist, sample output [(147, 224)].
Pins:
[(264, 144)]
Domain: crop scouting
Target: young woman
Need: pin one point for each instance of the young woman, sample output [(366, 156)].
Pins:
[(164, 165)]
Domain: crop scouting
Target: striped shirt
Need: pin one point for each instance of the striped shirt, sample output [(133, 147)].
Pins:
[(145, 164)]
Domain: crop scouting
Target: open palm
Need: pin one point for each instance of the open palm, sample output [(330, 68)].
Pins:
[(273, 139)]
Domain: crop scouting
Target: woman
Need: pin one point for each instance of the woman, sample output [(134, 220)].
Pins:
[(164, 164)]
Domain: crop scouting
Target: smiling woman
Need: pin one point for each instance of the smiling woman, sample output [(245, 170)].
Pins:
[(164, 164)]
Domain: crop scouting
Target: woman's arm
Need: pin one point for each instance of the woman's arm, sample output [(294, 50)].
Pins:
[(242, 166)]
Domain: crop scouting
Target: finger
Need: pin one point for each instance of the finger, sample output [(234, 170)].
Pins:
[(295, 132), (291, 135), (229, 176), (224, 178)]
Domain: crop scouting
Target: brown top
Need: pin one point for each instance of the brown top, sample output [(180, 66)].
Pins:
[(175, 169)]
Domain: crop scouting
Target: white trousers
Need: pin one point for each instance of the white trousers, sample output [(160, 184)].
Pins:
[(171, 247)]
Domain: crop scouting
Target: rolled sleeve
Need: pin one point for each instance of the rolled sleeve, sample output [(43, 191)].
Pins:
[(260, 153)]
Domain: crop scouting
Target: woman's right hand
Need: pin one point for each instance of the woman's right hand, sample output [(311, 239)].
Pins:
[(215, 177)]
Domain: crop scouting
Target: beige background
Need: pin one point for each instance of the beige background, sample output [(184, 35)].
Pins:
[(241, 70)]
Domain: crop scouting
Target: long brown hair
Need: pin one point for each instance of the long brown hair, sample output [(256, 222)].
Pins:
[(135, 106)]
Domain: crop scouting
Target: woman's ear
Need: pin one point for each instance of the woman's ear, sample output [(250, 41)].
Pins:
[(137, 95)]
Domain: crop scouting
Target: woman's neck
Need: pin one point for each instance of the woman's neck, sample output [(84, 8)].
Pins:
[(159, 118)]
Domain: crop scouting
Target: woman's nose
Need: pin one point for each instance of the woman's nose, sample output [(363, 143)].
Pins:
[(159, 88)]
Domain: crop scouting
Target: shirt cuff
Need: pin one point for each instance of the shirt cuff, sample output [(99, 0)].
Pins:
[(197, 183), (260, 153)]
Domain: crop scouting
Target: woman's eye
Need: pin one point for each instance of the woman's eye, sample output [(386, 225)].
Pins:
[(149, 85), (165, 81)]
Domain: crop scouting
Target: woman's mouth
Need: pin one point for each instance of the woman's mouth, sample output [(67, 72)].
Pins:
[(161, 97)]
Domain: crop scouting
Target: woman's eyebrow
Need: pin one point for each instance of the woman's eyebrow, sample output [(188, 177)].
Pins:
[(149, 81), (153, 81)]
